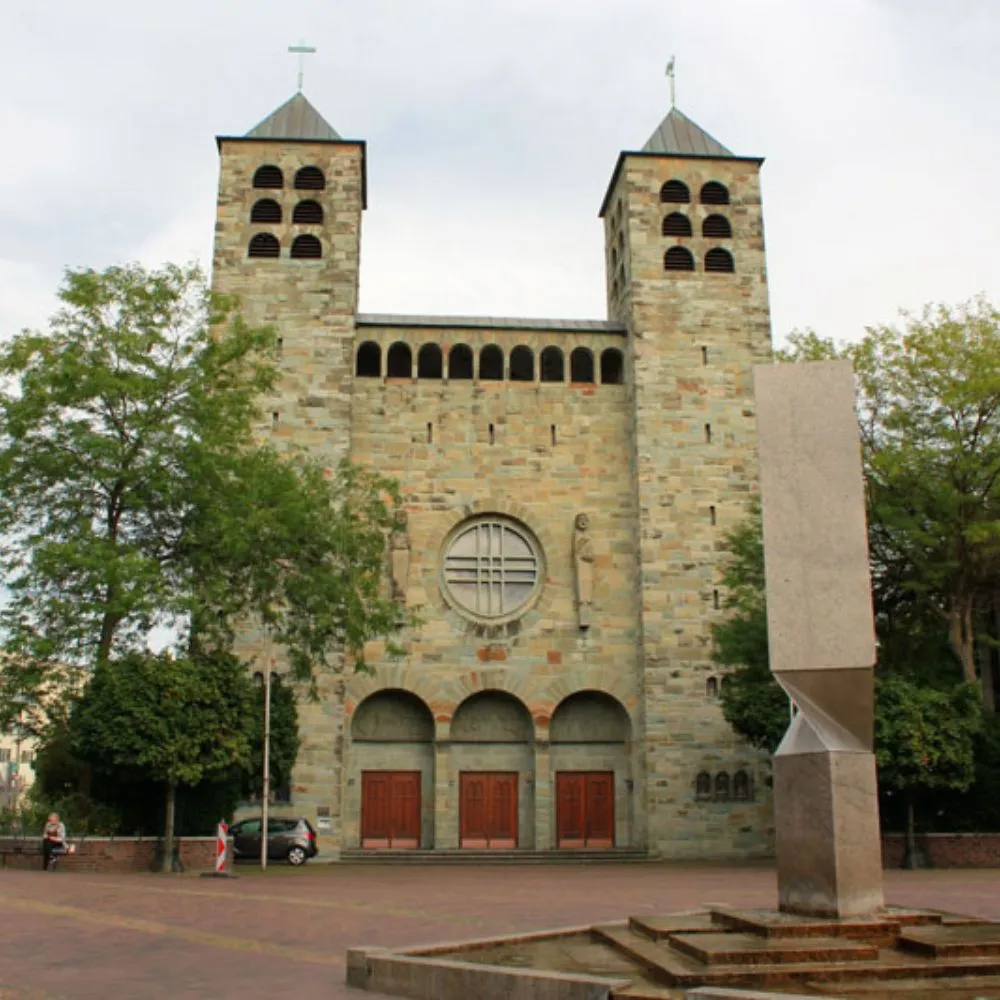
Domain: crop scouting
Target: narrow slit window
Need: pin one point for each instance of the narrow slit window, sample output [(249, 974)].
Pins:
[(708, 433), (492, 436), (704, 355), (552, 431), (715, 599), (711, 514), (430, 433), (279, 347), (274, 421)]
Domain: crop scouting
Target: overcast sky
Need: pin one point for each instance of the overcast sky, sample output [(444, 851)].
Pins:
[(493, 127)]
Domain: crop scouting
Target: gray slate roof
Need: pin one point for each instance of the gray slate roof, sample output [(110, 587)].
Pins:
[(295, 119), (678, 134)]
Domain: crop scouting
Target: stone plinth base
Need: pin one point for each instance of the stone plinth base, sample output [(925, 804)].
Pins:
[(828, 844)]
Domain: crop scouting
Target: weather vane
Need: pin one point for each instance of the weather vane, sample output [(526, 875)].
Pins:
[(670, 77), (302, 50)]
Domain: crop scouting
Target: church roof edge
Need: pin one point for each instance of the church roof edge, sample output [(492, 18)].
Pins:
[(295, 119), (490, 323)]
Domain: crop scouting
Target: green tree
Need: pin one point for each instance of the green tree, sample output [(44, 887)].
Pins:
[(925, 740), (135, 496), (177, 721), (284, 740), (929, 412)]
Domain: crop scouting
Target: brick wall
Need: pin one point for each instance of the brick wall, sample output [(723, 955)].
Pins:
[(946, 850), (112, 854)]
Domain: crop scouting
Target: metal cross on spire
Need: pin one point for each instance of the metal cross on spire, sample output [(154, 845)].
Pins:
[(302, 50), (670, 77)]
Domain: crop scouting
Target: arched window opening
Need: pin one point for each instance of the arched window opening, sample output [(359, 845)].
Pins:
[(264, 245), (492, 717), (590, 717), (722, 787), (491, 363), (676, 224), (712, 687), (522, 364), (581, 365), (551, 365), (268, 177), (719, 260), (430, 362), (612, 366), (714, 193), (400, 361), (614, 258), (716, 227), (678, 259), (310, 179), (369, 360), (309, 213), (306, 247), (703, 786), (265, 210), (460, 361), (676, 192), (392, 716), (741, 786)]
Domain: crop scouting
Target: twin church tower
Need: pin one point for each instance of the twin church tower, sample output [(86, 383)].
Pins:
[(568, 484)]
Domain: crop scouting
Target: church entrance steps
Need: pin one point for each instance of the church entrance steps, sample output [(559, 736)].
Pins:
[(471, 856)]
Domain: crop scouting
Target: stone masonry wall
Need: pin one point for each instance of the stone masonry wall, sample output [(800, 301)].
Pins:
[(311, 304), (454, 472), (694, 337)]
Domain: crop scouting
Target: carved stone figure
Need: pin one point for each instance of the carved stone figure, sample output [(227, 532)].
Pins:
[(583, 564), (399, 562)]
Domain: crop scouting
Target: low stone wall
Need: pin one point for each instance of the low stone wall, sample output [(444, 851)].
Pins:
[(112, 854), (946, 850)]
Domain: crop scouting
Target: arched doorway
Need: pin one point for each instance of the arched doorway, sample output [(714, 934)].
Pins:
[(392, 767), (590, 737), (492, 735)]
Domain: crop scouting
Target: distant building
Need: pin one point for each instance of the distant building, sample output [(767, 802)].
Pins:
[(568, 484)]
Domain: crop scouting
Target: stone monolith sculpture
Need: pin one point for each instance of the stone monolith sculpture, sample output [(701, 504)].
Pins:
[(821, 637)]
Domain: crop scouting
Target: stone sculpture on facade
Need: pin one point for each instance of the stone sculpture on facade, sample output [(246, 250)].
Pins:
[(399, 561), (583, 564), (821, 637)]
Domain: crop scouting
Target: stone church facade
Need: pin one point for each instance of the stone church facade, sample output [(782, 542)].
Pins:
[(568, 486)]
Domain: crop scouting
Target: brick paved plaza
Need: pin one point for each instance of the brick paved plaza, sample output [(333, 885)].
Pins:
[(284, 934)]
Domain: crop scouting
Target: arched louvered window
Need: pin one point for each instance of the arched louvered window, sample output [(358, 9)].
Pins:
[(581, 365), (310, 179), (703, 785), (551, 365), (522, 364), (264, 245), (429, 361), (678, 259), (400, 361), (675, 191), (491, 363), (460, 362), (676, 224), (716, 227), (718, 259), (741, 786), (612, 366), (369, 360), (308, 213), (722, 786), (306, 247), (268, 177), (265, 210), (714, 193)]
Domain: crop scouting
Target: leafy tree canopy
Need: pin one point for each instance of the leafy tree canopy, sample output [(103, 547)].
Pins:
[(135, 494)]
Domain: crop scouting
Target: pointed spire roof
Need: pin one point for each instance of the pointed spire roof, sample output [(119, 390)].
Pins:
[(677, 134), (295, 119)]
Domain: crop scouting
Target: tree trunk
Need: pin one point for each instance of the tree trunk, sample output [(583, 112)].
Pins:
[(168, 831), (910, 857), (961, 638)]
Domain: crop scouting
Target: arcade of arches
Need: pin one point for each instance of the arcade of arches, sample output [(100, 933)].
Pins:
[(489, 780)]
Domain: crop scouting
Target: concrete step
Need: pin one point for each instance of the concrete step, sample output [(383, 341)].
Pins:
[(499, 857), (952, 941)]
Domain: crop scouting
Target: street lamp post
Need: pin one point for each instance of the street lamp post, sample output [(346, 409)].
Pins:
[(266, 794)]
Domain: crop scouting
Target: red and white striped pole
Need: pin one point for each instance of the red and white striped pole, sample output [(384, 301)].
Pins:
[(220, 847)]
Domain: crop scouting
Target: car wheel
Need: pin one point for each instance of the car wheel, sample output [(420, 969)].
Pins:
[(297, 856)]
